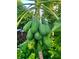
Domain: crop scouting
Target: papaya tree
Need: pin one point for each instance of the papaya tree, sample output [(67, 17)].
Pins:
[(43, 28)]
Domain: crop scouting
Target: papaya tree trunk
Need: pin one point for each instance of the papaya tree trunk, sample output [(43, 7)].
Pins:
[(40, 54), (37, 11), (37, 15)]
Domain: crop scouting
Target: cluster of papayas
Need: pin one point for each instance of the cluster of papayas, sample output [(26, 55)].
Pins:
[(37, 31)]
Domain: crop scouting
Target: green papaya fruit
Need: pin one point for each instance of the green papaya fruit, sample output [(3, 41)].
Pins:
[(44, 29), (47, 26), (35, 25), (29, 35), (37, 36), (27, 26), (47, 29)]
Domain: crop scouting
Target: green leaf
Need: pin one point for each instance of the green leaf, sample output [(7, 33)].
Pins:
[(57, 26), (51, 12)]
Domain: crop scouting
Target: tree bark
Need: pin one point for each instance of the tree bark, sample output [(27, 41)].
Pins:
[(40, 54)]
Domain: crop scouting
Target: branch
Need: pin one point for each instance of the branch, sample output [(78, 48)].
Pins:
[(21, 15), (20, 19)]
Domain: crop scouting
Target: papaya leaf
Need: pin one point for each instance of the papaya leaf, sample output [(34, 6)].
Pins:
[(57, 26), (50, 11)]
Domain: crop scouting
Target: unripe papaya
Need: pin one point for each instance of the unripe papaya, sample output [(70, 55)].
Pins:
[(47, 28), (37, 36), (27, 26), (35, 25), (29, 35), (44, 29)]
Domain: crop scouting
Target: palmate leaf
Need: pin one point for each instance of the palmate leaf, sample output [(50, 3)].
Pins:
[(20, 15), (25, 15), (52, 15), (21, 19), (20, 7)]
